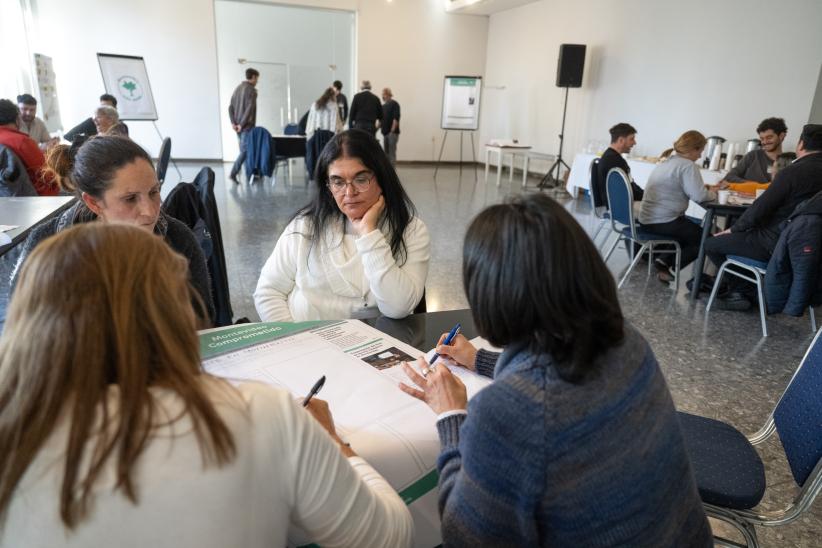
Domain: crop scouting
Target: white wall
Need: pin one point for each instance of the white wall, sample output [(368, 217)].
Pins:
[(719, 67), (409, 46), (177, 40)]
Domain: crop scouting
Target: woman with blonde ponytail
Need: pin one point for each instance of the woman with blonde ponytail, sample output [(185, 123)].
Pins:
[(115, 181), (671, 186)]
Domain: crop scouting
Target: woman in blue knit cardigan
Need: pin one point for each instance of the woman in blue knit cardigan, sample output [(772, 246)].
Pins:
[(576, 442)]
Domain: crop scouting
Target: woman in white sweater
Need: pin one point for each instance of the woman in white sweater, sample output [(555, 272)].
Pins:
[(323, 114), (357, 250), (112, 435)]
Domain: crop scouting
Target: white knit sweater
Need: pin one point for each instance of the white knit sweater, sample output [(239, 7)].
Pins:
[(287, 472), (342, 276)]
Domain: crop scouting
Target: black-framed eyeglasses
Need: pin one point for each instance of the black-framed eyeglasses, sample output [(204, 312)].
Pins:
[(361, 181)]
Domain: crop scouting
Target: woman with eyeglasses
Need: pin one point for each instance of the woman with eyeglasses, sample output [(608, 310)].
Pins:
[(356, 250)]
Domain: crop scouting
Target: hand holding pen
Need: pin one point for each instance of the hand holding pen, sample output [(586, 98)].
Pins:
[(450, 337)]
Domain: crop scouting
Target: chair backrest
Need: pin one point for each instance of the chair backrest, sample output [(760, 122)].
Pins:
[(620, 200), (14, 180), (798, 414), (595, 188), (291, 129), (163, 159)]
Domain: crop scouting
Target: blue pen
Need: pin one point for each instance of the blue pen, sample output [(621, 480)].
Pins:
[(448, 339)]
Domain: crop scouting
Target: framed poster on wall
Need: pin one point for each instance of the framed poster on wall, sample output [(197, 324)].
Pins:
[(126, 78), (461, 102)]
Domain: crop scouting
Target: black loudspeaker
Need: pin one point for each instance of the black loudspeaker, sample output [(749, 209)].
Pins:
[(570, 65)]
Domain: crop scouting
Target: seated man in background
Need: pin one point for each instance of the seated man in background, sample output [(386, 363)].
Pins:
[(25, 149), (87, 127), (33, 126), (756, 232), (107, 121), (758, 164), (623, 139)]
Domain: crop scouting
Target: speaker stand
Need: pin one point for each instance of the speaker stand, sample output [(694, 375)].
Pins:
[(551, 181)]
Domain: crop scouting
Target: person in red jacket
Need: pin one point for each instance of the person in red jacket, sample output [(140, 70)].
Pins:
[(25, 149)]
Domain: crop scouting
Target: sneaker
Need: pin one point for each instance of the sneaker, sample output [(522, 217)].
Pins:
[(734, 300), (663, 272)]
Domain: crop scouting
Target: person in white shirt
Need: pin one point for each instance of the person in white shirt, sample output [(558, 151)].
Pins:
[(323, 114), (356, 250), (32, 125), (113, 435)]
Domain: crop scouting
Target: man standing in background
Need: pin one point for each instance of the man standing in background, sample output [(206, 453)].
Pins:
[(342, 101), (242, 111), (33, 126), (365, 110), (390, 125)]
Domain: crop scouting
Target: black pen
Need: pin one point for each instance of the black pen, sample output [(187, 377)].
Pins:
[(314, 390)]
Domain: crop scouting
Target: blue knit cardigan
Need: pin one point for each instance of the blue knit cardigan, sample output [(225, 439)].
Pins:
[(539, 461)]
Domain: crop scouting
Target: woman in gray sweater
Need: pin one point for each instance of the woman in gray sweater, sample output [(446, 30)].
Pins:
[(671, 185)]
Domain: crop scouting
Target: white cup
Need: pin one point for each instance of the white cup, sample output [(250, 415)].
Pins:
[(722, 196), (760, 192)]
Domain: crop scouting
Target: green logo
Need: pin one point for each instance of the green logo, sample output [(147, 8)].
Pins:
[(130, 88)]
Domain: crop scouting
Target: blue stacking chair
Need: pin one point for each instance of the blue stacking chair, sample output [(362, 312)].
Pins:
[(620, 205), (729, 472), (162, 160), (740, 267), (599, 204)]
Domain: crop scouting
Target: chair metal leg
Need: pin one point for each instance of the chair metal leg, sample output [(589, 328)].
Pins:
[(633, 263), (813, 319), (745, 528), (714, 291), (650, 257), (613, 247), (599, 229), (759, 285), (677, 270)]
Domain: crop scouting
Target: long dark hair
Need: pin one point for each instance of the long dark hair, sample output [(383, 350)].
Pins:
[(327, 96), (322, 209), (532, 276)]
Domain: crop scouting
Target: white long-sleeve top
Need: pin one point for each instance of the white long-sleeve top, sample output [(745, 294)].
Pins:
[(287, 472), (323, 118), (341, 276)]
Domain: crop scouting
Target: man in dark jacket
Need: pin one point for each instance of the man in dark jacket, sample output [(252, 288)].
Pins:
[(365, 110), (242, 112), (87, 128), (755, 234)]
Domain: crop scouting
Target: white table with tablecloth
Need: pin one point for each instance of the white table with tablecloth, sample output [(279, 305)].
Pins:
[(640, 171)]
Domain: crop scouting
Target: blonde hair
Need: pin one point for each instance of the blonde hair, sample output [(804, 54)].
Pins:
[(110, 306), (688, 142)]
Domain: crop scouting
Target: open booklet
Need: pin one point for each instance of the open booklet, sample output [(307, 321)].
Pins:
[(393, 431)]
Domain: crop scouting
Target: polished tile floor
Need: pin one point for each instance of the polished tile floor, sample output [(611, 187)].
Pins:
[(719, 366)]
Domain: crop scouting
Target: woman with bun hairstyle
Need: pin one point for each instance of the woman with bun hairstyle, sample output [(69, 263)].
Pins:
[(672, 185), (115, 181), (113, 435)]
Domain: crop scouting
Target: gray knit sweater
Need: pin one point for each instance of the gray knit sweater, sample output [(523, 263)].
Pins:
[(175, 233), (539, 461)]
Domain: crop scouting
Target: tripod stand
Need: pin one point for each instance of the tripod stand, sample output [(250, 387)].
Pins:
[(549, 180)]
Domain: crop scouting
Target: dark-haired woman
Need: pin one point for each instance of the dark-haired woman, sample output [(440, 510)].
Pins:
[(576, 442), (115, 181), (357, 250)]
